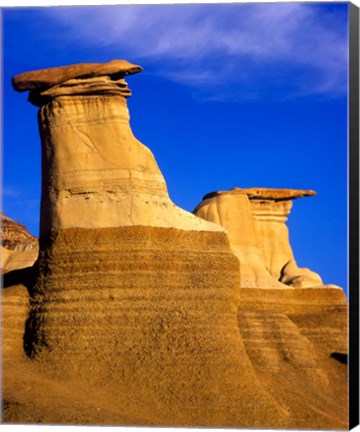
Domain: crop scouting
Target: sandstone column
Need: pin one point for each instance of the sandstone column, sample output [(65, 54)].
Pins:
[(255, 221), (96, 174), (270, 208)]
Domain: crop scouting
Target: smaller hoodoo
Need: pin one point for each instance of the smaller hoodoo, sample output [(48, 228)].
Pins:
[(255, 222)]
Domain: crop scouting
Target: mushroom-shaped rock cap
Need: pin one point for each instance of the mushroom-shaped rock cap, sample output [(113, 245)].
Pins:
[(265, 193), (45, 78)]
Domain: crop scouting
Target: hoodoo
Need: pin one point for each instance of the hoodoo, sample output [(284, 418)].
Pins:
[(255, 222), (95, 173)]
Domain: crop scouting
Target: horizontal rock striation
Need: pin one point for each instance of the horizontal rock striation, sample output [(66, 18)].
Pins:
[(295, 330), (14, 313), (296, 340), (19, 248), (137, 308), (150, 312), (233, 211), (320, 313), (265, 193), (92, 165)]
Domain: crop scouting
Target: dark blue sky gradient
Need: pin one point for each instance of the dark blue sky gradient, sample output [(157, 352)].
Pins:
[(231, 95)]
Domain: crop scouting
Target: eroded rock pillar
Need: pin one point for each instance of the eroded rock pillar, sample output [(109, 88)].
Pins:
[(255, 221), (95, 173)]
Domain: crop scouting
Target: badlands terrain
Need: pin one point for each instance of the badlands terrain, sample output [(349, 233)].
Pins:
[(132, 311)]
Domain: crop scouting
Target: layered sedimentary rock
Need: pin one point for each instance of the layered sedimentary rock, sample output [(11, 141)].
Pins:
[(255, 222), (15, 236), (294, 328), (138, 315), (43, 79), (14, 308), (19, 248), (296, 340), (95, 173)]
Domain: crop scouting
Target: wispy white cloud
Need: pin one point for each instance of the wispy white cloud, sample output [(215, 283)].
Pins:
[(296, 48), (10, 192)]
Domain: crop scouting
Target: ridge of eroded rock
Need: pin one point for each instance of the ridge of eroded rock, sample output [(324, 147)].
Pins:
[(19, 248), (15, 236)]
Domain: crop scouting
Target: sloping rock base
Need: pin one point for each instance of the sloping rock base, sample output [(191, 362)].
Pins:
[(143, 325)]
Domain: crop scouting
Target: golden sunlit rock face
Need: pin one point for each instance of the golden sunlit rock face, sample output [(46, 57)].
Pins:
[(96, 174), (254, 219), (140, 313)]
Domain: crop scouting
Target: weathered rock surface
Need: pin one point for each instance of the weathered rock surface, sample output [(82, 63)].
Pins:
[(266, 193), (297, 277), (93, 165), (19, 248), (136, 312), (297, 342), (19, 251), (15, 236), (294, 328), (255, 222), (150, 313), (45, 78)]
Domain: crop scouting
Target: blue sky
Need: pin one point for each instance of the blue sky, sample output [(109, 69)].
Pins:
[(231, 95)]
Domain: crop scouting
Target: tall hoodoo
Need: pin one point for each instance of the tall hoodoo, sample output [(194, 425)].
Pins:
[(95, 173)]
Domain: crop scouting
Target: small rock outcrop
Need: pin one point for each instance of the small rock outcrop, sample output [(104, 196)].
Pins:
[(19, 251), (19, 248)]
